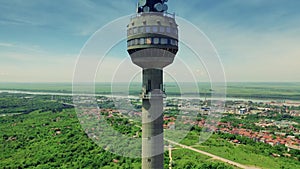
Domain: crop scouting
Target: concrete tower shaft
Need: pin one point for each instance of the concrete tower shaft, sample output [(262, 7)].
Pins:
[(152, 42), (152, 119)]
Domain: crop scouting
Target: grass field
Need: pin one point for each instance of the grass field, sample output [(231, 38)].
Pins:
[(244, 154), (183, 158)]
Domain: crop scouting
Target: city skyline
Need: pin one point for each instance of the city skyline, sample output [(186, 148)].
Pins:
[(256, 40)]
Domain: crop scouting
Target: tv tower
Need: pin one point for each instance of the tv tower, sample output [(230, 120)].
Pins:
[(152, 44)]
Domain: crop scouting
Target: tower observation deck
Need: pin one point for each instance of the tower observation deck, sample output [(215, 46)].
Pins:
[(152, 42)]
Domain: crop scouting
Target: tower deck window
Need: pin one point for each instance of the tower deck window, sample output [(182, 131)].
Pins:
[(135, 30), (141, 29), (175, 31), (148, 29), (142, 41), (161, 29), (130, 31), (156, 41), (155, 29), (168, 30), (129, 43), (164, 41), (174, 42), (148, 41)]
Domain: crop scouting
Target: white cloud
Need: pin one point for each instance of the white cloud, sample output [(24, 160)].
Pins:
[(22, 47), (6, 44)]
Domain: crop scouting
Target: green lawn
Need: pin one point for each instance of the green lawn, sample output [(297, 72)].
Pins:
[(183, 158)]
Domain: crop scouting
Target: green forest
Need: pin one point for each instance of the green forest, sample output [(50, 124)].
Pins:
[(41, 132)]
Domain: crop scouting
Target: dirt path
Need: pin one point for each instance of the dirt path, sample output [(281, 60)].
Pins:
[(213, 156)]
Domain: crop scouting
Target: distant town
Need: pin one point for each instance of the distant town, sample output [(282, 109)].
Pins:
[(270, 122)]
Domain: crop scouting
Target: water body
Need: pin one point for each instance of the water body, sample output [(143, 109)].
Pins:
[(136, 97)]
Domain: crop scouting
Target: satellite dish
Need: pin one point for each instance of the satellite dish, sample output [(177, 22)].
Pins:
[(146, 9), (158, 7), (165, 7), (142, 3)]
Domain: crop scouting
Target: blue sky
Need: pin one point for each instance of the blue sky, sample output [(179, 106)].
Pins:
[(257, 40)]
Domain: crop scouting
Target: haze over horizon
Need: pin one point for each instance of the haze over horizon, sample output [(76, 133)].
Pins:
[(256, 40)]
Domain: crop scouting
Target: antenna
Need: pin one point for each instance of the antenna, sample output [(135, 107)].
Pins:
[(152, 6), (142, 3), (158, 7), (146, 9), (165, 7)]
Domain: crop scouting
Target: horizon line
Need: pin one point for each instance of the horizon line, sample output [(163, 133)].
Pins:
[(168, 82)]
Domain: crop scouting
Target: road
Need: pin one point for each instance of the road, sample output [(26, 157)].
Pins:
[(213, 156)]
